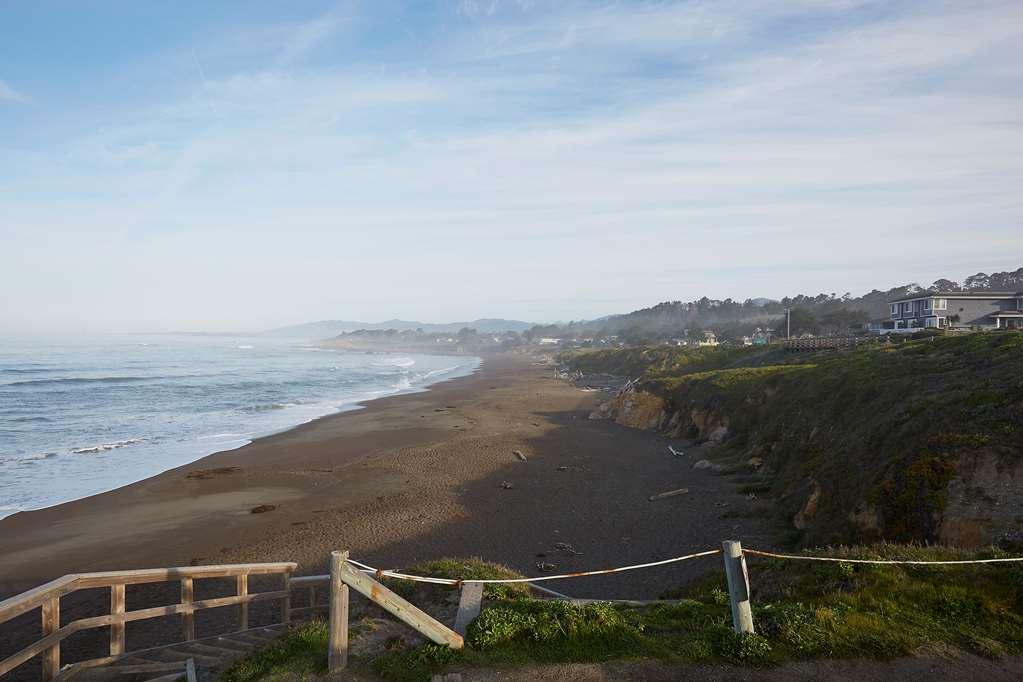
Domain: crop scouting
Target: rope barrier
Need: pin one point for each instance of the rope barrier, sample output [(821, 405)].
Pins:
[(877, 561), (505, 581)]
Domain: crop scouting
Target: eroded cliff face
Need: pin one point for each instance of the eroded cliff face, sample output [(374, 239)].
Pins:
[(650, 412), (981, 504), (984, 503)]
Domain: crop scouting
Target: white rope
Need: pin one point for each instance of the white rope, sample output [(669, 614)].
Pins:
[(878, 561), (505, 581)]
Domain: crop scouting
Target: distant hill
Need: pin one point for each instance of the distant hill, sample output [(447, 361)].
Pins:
[(328, 328)]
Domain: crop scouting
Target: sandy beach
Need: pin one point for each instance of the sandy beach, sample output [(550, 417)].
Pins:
[(409, 478)]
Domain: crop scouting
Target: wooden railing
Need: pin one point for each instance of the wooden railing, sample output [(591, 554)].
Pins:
[(47, 599)]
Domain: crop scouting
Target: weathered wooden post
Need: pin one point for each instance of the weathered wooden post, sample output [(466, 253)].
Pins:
[(51, 623), (337, 650), (470, 602), (117, 629), (188, 615), (286, 602), (242, 585), (738, 586)]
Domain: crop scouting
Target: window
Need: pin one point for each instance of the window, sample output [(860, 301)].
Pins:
[(941, 304), (895, 309), (927, 304), (907, 310)]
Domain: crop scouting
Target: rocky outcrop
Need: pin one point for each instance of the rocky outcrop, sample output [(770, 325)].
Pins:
[(650, 412), (809, 509), (984, 503)]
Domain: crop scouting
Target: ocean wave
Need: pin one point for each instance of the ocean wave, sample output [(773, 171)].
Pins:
[(85, 380), (104, 447), (265, 407), (221, 435), (435, 372), (31, 458), (31, 370), (396, 362)]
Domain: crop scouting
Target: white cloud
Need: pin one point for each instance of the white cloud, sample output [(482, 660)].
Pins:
[(10, 94), (546, 160)]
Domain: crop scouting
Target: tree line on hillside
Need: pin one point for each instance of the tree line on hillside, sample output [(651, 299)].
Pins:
[(820, 314)]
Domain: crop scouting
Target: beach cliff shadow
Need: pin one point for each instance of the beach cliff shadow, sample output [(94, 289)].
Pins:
[(581, 502)]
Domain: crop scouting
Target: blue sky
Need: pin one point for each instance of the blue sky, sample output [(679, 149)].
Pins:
[(240, 165)]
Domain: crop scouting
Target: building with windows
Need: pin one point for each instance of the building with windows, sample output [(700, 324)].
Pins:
[(955, 309)]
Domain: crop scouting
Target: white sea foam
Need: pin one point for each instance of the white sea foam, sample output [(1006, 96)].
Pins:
[(104, 447), (396, 362), (245, 346)]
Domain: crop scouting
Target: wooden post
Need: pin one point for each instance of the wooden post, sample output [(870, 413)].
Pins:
[(738, 586), (188, 615), (242, 583), (409, 613), (469, 604), (286, 602), (312, 602), (337, 650), (51, 623), (116, 629)]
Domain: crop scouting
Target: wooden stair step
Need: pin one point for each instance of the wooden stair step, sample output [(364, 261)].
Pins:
[(170, 654), (173, 677), (242, 646), (157, 667), (252, 639), (208, 649)]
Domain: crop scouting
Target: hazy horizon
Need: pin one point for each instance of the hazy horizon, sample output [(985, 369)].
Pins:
[(243, 166)]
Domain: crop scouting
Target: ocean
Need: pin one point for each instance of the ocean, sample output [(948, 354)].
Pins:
[(82, 416)]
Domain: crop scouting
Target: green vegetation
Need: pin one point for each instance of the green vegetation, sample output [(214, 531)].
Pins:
[(802, 610), (300, 651), (472, 568), (882, 430)]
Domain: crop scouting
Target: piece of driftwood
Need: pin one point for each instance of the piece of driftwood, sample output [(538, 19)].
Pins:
[(518, 453), (670, 493)]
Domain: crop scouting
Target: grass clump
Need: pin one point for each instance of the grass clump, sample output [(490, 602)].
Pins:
[(551, 622), (302, 650), (460, 568)]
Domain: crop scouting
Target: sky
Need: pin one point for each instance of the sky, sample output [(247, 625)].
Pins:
[(243, 165)]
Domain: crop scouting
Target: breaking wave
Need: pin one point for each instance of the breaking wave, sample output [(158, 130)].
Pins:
[(104, 447)]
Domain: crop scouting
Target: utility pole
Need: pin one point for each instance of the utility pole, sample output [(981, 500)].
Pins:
[(788, 323)]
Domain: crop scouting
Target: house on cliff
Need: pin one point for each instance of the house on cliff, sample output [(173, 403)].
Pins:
[(953, 310)]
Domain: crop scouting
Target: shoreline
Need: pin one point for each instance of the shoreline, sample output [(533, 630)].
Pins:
[(408, 478), (190, 451)]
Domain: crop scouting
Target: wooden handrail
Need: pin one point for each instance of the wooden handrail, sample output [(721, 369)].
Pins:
[(34, 598), (48, 596)]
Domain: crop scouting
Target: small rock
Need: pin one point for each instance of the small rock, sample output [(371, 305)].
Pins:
[(263, 508), (566, 548), (518, 453), (544, 567), (505, 485), (707, 464), (562, 468)]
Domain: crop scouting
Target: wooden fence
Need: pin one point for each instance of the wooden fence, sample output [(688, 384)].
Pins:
[(343, 576), (47, 598)]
